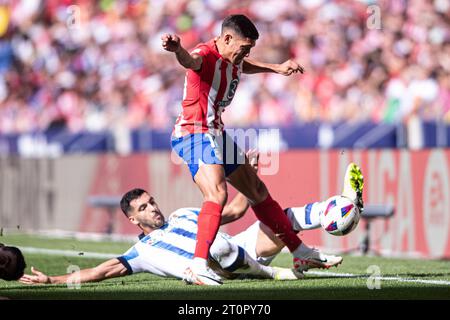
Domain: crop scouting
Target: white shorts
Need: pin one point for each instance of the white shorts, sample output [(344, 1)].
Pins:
[(247, 240)]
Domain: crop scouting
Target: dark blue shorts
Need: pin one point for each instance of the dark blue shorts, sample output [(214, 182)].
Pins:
[(204, 148)]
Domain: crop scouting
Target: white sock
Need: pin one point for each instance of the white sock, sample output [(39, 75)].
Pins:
[(301, 250), (307, 217), (235, 259), (254, 268), (199, 263)]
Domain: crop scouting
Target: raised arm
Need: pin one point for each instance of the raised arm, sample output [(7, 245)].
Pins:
[(287, 68), (171, 43), (109, 269)]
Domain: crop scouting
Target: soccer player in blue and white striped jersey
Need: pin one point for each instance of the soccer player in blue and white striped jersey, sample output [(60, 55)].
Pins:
[(167, 248)]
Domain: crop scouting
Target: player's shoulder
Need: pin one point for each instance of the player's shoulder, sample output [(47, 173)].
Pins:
[(204, 48), (185, 212), (131, 253)]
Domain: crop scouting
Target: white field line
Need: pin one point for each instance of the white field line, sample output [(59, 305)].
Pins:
[(72, 253), (398, 279)]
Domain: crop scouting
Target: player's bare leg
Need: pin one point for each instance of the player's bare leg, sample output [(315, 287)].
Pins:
[(267, 210), (267, 243), (270, 213), (211, 181), (247, 182)]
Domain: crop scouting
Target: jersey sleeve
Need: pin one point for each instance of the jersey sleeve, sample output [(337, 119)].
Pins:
[(131, 260), (207, 57), (185, 213), (201, 50)]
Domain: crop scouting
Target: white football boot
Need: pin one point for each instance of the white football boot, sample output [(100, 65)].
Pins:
[(286, 274), (202, 275), (306, 258), (353, 186)]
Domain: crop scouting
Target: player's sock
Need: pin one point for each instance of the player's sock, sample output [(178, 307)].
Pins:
[(208, 225), (270, 213), (255, 268), (233, 258), (243, 263), (305, 218), (199, 273), (199, 263)]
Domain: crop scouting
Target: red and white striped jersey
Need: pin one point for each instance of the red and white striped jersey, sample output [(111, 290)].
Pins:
[(207, 92)]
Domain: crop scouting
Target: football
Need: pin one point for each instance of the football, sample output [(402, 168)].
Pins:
[(340, 216)]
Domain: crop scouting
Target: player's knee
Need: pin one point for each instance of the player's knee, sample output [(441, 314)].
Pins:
[(219, 196), (221, 249), (225, 252)]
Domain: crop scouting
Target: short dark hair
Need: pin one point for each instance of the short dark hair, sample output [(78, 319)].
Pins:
[(12, 263), (128, 197), (242, 25)]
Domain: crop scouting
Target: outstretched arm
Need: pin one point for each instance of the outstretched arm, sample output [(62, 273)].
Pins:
[(287, 68), (109, 269), (171, 43)]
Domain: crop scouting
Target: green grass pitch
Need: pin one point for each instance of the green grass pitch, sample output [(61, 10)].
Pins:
[(399, 278)]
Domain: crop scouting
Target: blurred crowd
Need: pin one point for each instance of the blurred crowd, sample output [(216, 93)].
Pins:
[(95, 65)]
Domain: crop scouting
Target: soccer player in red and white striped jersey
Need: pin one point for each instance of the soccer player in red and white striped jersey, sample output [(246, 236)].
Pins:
[(213, 72)]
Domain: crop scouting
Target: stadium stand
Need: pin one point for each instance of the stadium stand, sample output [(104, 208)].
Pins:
[(103, 69)]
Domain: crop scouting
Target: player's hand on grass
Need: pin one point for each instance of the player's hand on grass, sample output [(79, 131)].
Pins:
[(37, 277), (290, 67), (170, 42)]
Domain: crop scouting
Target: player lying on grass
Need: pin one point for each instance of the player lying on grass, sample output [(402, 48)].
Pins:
[(166, 248), (12, 263)]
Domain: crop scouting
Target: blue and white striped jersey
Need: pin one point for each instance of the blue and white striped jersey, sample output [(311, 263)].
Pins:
[(167, 251)]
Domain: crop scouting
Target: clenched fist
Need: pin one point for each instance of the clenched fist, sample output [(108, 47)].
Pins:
[(289, 67), (171, 42)]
